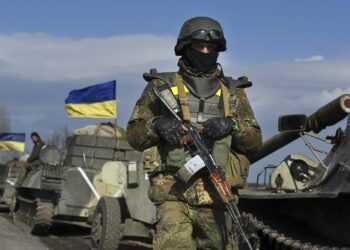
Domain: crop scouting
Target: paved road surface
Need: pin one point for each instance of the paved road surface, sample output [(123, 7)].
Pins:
[(14, 238), (17, 237)]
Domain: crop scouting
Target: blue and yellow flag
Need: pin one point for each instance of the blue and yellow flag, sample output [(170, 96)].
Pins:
[(12, 141), (97, 101)]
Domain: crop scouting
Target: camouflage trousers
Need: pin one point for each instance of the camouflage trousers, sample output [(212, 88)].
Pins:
[(181, 226), (21, 174)]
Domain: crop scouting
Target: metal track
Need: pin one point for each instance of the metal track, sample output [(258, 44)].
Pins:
[(271, 239)]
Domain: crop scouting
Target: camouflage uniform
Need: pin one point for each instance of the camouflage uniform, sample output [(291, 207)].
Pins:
[(35, 154), (190, 215)]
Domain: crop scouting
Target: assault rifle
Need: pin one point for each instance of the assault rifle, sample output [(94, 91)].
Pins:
[(200, 149)]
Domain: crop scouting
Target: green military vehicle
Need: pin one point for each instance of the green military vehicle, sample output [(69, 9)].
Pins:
[(3, 184), (8, 177), (98, 162), (129, 217), (303, 203)]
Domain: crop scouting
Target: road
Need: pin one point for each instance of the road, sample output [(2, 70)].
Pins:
[(16, 236)]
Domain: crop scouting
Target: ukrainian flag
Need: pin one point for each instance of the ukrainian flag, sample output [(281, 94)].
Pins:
[(12, 141), (97, 101)]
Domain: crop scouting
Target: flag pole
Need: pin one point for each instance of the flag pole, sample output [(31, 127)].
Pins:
[(115, 124)]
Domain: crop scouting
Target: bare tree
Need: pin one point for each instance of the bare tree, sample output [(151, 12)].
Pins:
[(58, 138), (5, 127), (5, 121)]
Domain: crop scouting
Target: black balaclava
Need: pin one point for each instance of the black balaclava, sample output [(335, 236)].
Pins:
[(200, 62)]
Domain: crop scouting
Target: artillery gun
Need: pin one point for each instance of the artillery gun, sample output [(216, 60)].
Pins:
[(303, 203)]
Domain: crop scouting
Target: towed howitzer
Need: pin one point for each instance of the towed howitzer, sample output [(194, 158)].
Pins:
[(200, 150), (327, 115)]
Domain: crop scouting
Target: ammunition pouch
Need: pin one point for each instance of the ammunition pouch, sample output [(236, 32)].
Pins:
[(162, 188), (236, 166), (236, 170), (151, 160)]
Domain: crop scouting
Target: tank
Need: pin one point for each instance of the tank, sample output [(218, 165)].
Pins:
[(65, 190), (303, 202)]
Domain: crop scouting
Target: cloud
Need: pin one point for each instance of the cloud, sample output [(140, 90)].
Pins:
[(315, 58), (292, 88), (46, 68), (74, 62), (43, 57)]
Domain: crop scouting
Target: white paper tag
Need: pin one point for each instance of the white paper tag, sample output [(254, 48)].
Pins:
[(194, 164)]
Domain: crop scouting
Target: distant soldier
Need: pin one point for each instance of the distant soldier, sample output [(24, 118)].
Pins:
[(38, 144), (32, 161), (190, 215)]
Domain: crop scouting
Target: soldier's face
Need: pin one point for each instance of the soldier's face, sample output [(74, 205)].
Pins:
[(204, 48), (35, 139)]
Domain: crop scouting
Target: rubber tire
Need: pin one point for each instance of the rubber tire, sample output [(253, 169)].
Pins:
[(42, 219), (108, 214)]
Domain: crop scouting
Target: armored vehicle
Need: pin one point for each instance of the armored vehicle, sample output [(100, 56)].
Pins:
[(3, 184), (66, 189), (303, 203), (3, 177), (129, 217), (9, 175), (11, 165)]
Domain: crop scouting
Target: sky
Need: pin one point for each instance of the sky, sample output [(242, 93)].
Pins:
[(296, 53)]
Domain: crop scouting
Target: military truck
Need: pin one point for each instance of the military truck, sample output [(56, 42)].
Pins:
[(65, 190), (303, 203)]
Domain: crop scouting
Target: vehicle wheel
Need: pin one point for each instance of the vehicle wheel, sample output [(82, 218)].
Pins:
[(42, 219), (106, 230)]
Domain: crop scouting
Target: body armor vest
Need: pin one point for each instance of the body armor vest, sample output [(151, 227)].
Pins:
[(194, 109), (204, 108)]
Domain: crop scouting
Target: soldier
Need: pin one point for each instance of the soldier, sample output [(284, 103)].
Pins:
[(38, 145), (33, 159), (190, 215)]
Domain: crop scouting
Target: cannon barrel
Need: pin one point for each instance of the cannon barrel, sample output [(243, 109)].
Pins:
[(325, 116)]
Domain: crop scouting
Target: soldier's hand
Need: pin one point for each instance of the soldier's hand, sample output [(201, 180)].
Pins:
[(217, 128), (169, 130)]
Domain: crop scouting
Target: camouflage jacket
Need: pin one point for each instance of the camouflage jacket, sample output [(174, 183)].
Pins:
[(141, 136), (34, 155)]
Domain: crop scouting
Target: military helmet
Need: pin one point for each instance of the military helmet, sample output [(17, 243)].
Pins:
[(200, 29)]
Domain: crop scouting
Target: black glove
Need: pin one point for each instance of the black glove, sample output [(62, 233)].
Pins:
[(168, 129), (217, 128)]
